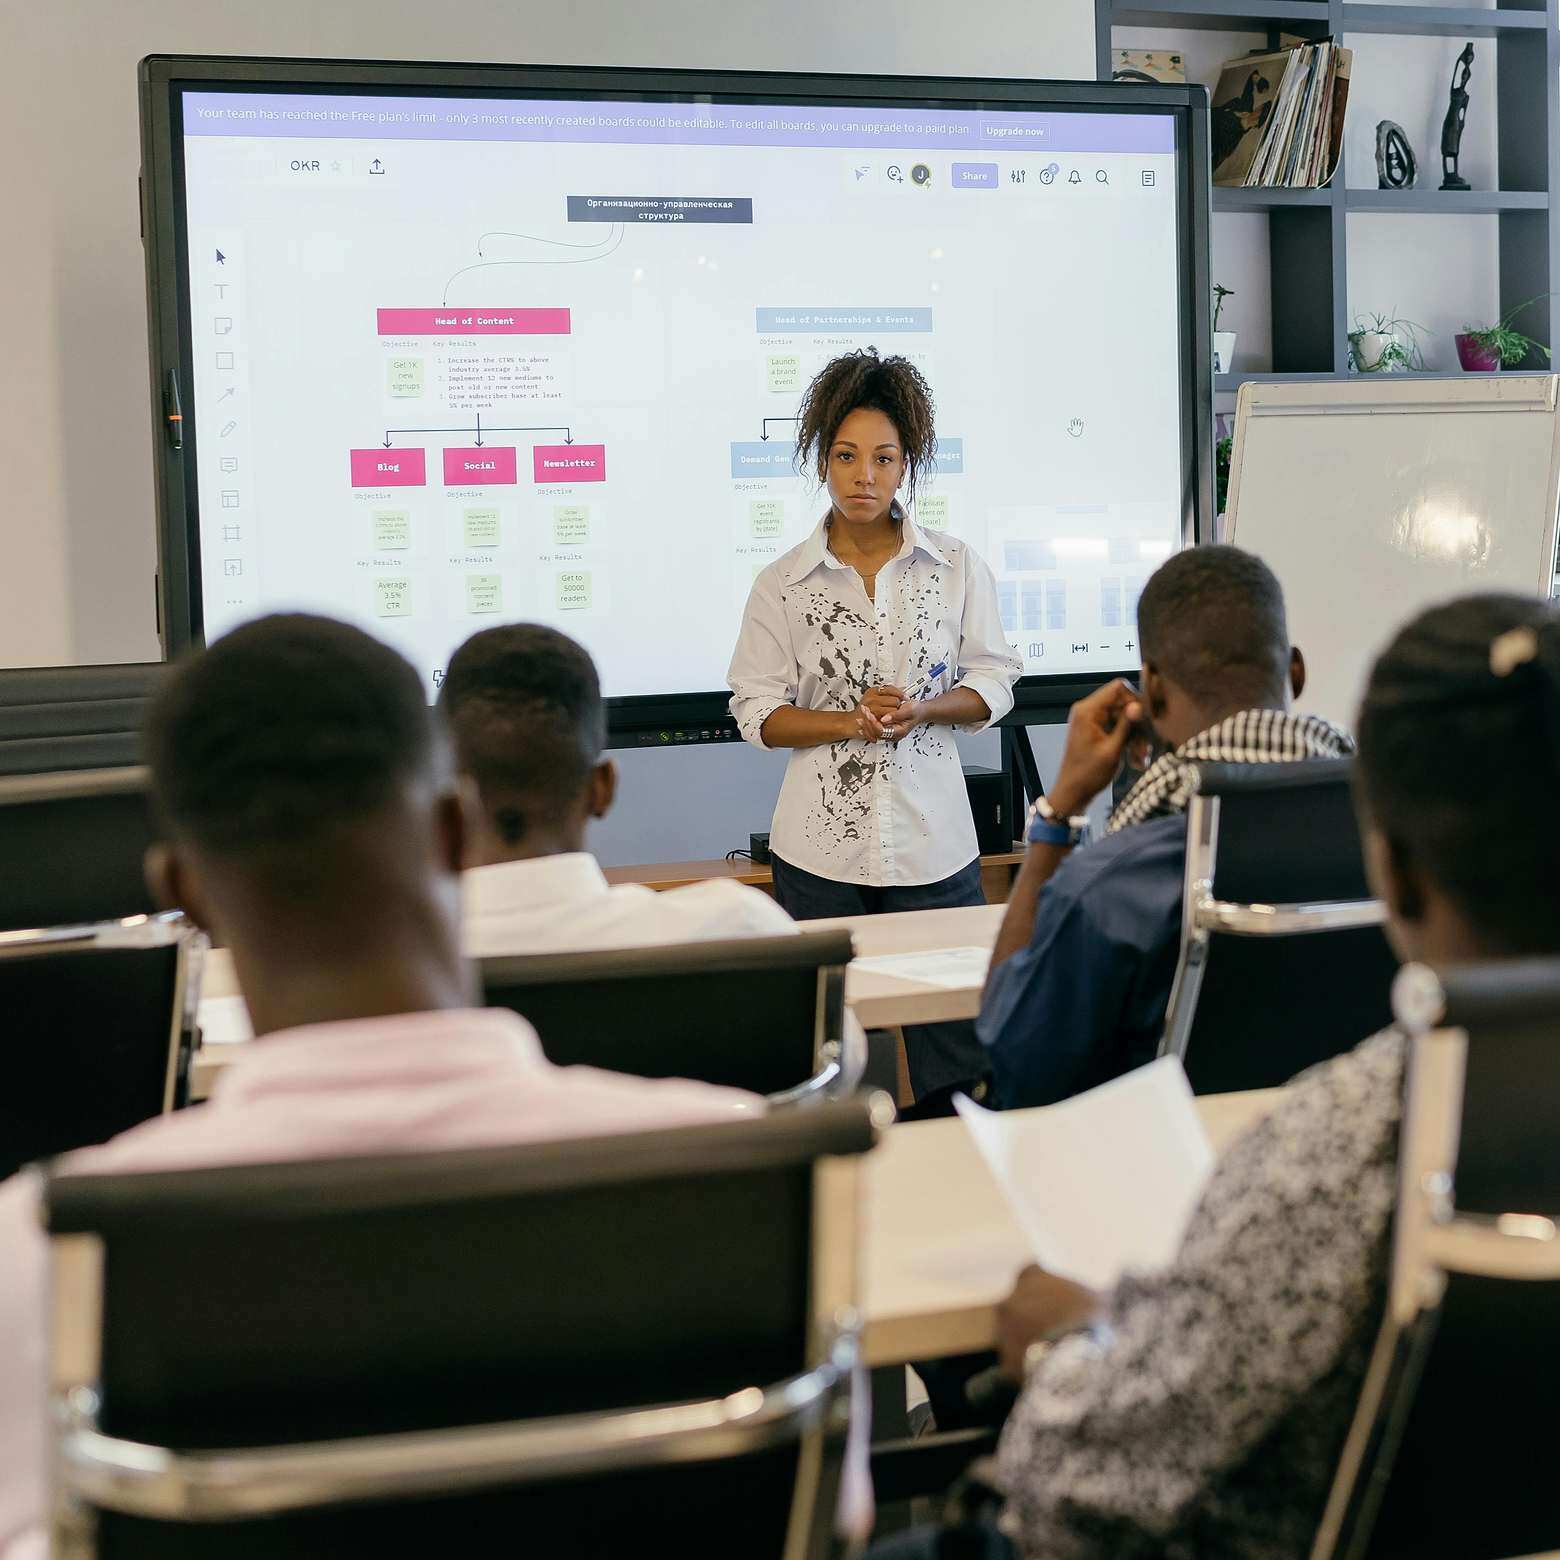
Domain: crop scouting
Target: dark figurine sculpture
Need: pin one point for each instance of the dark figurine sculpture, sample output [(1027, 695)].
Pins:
[(1396, 168), (1456, 117)]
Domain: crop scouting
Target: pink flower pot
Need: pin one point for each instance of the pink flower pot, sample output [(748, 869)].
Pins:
[(1474, 358)]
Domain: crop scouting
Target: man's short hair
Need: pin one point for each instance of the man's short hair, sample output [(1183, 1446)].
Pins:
[(524, 706), (283, 729), (1212, 620)]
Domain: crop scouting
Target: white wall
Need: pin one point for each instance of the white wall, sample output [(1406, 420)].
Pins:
[(77, 547), (77, 543)]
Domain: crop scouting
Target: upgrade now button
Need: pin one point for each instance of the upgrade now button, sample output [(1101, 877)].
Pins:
[(974, 176)]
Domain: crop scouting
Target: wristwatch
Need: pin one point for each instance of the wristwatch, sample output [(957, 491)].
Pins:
[(1045, 826)]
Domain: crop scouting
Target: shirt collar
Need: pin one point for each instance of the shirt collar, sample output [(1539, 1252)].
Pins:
[(815, 550), (506, 887), (403, 1049)]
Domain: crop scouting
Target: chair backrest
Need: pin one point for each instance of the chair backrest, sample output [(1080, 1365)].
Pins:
[(96, 1026), (357, 1319), (71, 847), (1283, 962), (73, 717), (1447, 1455), (759, 1013)]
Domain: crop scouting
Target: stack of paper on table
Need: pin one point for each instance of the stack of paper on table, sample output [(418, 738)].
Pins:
[(955, 968), (1104, 1182)]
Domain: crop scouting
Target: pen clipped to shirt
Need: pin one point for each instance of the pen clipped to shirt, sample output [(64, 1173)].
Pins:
[(924, 684)]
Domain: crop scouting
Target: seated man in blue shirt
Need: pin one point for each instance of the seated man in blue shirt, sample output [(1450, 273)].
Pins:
[(1081, 972)]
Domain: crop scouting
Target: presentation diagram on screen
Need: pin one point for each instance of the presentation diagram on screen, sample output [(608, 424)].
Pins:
[(459, 366)]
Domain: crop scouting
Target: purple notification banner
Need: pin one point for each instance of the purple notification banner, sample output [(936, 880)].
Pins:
[(314, 116)]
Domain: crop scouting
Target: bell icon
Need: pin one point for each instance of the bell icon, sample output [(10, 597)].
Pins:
[(1074, 177)]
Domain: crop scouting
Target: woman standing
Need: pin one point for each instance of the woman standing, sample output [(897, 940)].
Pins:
[(860, 650)]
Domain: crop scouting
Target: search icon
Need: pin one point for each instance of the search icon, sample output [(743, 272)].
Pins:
[(1101, 177), (896, 173)]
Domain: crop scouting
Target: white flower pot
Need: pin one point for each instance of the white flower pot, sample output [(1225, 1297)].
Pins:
[(1224, 352), (1370, 348)]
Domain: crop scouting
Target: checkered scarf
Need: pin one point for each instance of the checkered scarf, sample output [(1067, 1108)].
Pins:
[(1252, 737)]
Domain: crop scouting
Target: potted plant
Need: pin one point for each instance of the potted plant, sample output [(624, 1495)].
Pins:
[(1385, 344), (1223, 340), (1490, 348), (1221, 466)]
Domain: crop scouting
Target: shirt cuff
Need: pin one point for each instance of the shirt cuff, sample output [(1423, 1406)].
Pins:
[(997, 693), (750, 715)]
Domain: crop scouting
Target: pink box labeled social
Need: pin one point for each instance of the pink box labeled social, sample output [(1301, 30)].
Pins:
[(569, 462), (389, 468), (487, 463), (473, 322)]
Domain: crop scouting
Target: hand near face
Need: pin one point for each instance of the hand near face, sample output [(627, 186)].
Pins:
[(1100, 730)]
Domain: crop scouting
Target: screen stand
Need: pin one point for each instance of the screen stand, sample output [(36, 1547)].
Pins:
[(1023, 772)]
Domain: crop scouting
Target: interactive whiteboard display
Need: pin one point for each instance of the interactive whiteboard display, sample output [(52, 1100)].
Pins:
[(460, 360)]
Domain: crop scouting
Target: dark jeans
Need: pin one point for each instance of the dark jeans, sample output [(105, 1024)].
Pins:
[(941, 1057), (976, 1542)]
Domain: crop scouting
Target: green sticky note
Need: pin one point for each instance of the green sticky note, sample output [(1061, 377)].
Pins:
[(392, 528), (931, 510), (392, 596), (481, 527), (484, 593), (404, 376), (573, 590), (767, 516), (785, 373), (571, 524)]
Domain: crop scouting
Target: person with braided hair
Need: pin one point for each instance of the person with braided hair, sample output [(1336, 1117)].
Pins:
[(861, 650), (1201, 1410)]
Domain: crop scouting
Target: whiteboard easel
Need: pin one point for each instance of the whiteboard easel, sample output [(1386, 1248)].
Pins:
[(1372, 499)]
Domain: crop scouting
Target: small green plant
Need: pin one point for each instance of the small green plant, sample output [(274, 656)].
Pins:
[(1399, 345), (1220, 293), (1500, 341), (1221, 470)]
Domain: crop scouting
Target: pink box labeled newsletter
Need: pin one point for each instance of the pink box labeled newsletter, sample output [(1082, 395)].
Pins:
[(486, 463), (564, 463), (389, 468)]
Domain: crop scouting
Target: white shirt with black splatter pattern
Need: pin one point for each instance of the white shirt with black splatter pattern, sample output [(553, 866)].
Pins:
[(875, 813)]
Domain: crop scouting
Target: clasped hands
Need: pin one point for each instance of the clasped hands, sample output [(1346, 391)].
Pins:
[(886, 715)]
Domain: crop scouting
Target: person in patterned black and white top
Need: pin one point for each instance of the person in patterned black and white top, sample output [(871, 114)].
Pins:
[(1201, 1410)]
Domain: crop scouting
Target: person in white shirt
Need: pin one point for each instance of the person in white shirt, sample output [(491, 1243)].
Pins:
[(861, 650), (315, 826), (523, 703)]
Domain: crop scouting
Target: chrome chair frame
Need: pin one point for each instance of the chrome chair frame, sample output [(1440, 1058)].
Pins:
[(1203, 915), (93, 1470), (136, 931), (1431, 1240)]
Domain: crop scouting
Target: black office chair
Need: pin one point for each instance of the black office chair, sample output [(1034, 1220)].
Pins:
[(1283, 960), (96, 1024), (759, 1013), (610, 1346), (73, 717), (71, 847), (1449, 1453)]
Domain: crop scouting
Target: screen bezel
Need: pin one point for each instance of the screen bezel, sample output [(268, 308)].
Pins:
[(164, 78)]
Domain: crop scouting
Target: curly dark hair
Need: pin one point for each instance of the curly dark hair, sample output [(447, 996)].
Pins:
[(891, 385)]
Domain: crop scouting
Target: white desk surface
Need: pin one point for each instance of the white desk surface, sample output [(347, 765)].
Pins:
[(879, 1001), (941, 1249)]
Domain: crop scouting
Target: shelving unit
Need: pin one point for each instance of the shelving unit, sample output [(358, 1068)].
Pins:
[(1308, 228)]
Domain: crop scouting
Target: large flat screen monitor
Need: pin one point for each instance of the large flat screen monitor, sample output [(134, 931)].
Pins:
[(437, 347)]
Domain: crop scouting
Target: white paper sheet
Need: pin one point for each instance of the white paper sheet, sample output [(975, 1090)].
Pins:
[(955, 968), (1104, 1182), (223, 1021)]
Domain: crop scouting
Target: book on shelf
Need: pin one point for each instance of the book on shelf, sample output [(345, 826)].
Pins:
[(1277, 117)]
